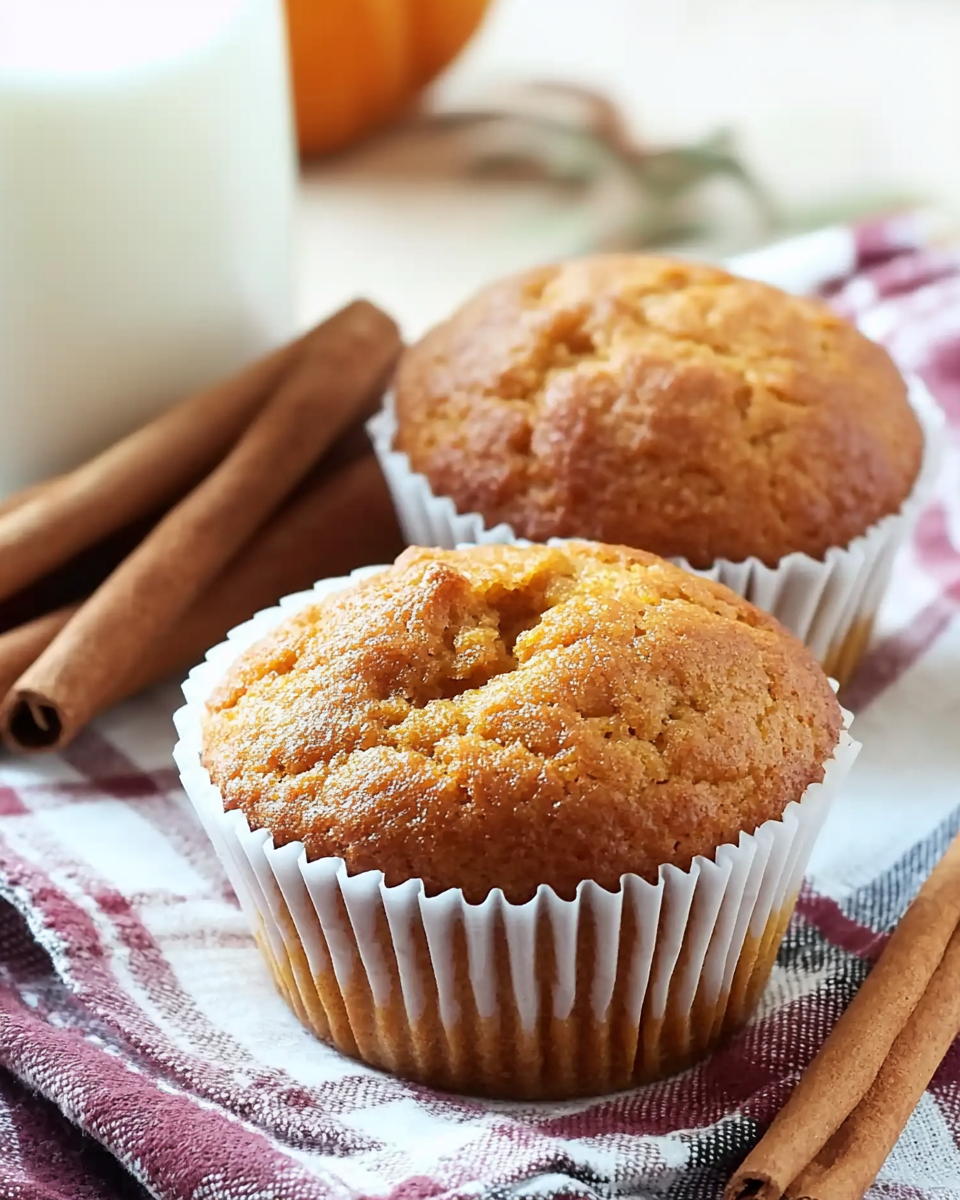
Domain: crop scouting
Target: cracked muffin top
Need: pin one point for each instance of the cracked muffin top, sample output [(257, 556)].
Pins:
[(661, 404), (507, 716)]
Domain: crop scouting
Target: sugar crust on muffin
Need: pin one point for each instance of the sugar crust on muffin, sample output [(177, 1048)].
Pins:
[(508, 717), (660, 404)]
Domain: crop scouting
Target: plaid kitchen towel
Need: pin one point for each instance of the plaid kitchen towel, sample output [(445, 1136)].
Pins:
[(143, 1049)]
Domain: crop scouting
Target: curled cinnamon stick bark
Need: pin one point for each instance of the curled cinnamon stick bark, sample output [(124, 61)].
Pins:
[(851, 1160), (43, 526), (851, 1058), (349, 360)]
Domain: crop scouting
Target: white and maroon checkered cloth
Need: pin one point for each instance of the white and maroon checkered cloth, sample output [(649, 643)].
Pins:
[(143, 1048)]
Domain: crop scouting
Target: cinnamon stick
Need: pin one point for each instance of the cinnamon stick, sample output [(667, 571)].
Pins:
[(348, 361), (77, 578), (17, 499), (850, 1060), (346, 521), (22, 646), (43, 526), (851, 1160), (308, 540)]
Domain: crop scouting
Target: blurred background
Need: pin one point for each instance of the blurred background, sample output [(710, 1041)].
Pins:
[(707, 125), (163, 219)]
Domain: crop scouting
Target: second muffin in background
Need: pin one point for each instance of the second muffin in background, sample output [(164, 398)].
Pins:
[(672, 407)]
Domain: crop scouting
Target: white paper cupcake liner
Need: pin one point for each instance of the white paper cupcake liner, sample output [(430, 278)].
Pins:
[(830, 604), (552, 998)]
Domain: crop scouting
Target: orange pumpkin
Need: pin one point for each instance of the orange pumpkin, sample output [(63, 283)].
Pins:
[(358, 63)]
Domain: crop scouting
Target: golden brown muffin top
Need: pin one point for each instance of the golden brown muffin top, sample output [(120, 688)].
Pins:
[(505, 716), (660, 404)]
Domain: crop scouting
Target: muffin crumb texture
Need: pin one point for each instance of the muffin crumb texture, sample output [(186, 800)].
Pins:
[(513, 716), (663, 404)]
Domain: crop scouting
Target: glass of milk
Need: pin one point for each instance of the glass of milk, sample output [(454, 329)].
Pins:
[(147, 170)]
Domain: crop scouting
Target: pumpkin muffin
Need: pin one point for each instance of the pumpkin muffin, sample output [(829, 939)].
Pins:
[(661, 404), (506, 717), (510, 793)]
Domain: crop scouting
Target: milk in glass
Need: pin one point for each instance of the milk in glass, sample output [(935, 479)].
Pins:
[(146, 188)]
